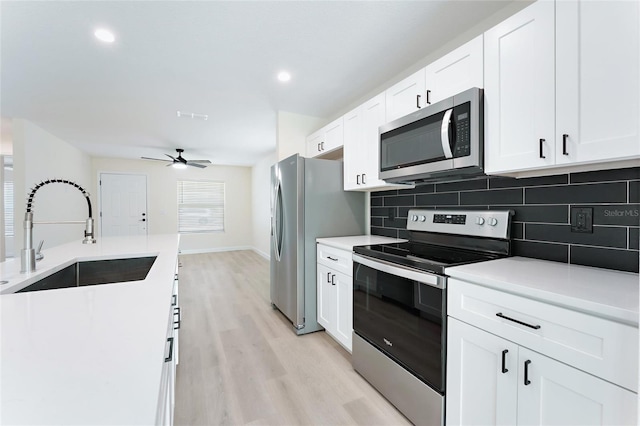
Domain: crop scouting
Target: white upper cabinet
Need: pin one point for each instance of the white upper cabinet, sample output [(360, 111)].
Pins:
[(361, 147), (405, 97), (562, 83), (519, 92), (354, 151), (597, 80), (325, 140), (455, 72), (333, 135), (314, 143)]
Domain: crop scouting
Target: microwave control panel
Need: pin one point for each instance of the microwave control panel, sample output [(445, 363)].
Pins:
[(461, 118)]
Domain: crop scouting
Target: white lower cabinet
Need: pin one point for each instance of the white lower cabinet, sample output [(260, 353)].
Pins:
[(492, 381), (516, 361), (167, 398), (167, 387), (480, 389), (335, 293)]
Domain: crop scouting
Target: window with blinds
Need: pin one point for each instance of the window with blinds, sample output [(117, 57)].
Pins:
[(200, 206)]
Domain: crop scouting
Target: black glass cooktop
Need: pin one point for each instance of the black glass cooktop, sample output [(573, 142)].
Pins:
[(425, 257)]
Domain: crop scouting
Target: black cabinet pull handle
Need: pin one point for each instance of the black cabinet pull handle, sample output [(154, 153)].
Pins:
[(175, 277), (541, 152), (504, 361), (564, 144), (332, 258), (328, 277), (527, 382), (358, 179), (363, 178), (318, 147), (428, 93), (322, 145), (170, 357), (174, 300), (535, 327), (333, 278), (418, 101), (176, 324)]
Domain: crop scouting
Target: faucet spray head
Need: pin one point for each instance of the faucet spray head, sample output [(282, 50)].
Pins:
[(88, 233)]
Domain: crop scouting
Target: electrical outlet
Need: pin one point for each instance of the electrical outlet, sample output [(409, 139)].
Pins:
[(582, 219)]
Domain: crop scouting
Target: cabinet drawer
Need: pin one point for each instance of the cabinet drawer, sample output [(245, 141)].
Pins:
[(336, 259), (604, 348)]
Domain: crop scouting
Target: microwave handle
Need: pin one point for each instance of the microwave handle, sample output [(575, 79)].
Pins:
[(444, 134)]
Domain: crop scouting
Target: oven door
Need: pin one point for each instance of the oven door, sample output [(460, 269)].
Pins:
[(402, 312)]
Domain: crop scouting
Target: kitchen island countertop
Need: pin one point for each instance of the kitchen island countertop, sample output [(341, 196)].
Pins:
[(86, 355)]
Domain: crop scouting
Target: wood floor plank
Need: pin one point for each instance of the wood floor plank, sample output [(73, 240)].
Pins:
[(241, 363)]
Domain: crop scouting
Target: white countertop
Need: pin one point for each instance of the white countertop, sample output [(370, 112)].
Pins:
[(348, 243), (602, 292), (86, 355)]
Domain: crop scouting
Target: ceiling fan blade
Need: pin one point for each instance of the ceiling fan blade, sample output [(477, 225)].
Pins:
[(171, 157), (200, 166), (200, 161), (156, 159)]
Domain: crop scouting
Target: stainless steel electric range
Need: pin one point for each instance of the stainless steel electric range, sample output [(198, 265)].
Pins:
[(400, 298)]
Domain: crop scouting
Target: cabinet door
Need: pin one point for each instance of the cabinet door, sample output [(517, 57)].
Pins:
[(353, 151), (333, 136), (405, 97), (597, 72), (314, 143), (481, 388), (344, 311), (455, 72), (552, 393), (373, 116), (519, 93), (326, 289)]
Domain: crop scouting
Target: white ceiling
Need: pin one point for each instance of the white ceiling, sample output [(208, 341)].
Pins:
[(212, 57)]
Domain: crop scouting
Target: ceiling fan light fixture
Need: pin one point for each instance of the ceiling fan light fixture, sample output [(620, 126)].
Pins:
[(178, 165)]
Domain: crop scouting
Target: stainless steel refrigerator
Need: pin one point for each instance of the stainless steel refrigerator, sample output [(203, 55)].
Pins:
[(307, 202)]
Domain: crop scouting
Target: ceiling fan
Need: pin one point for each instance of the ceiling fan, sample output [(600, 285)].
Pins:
[(180, 162)]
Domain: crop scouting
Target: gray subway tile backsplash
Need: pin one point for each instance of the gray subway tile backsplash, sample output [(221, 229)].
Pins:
[(541, 224)]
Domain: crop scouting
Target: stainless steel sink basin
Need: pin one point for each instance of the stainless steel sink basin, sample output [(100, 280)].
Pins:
[(95, 272)]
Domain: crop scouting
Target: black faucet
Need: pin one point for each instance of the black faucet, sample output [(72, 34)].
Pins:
[(27, 254)]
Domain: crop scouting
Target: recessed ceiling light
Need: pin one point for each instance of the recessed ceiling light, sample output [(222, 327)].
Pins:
[(284, 76), (104, 35)]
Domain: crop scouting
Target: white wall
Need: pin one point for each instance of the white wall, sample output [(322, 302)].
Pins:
[(261, 204), (292, 131), (37, 156), (162, 207)]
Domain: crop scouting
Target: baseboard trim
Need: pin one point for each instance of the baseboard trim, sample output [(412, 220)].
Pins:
[(214, 250), (261, 253)]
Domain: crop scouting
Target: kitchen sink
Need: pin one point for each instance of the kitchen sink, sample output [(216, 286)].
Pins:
[(95, 272)]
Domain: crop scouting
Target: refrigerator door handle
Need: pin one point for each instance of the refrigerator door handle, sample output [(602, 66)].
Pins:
[(277, 240)]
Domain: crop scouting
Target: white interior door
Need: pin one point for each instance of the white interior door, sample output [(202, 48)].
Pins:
[(123, 204)]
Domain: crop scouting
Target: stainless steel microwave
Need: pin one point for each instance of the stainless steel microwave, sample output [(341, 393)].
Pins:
[(443, 140)]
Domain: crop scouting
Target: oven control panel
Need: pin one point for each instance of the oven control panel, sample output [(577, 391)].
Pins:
[(482, 223)]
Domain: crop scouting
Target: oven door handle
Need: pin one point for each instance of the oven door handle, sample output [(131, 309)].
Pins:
[(432, 280)]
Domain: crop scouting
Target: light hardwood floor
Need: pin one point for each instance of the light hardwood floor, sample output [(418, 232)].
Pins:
[(240, 363)]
